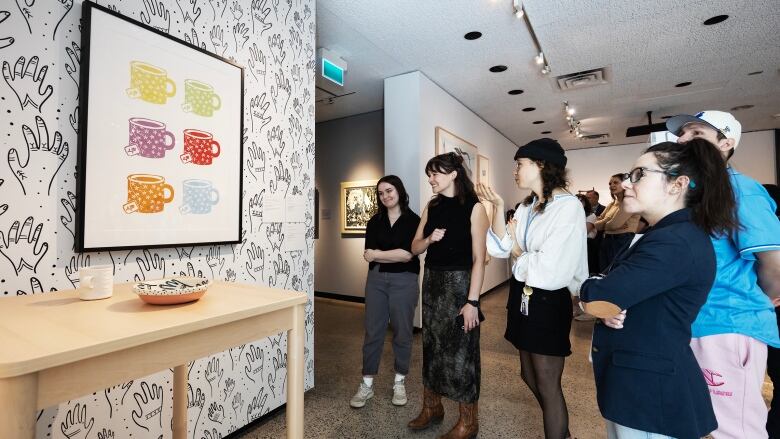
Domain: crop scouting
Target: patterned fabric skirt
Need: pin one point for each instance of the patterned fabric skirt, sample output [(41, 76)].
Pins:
[(451, 362)]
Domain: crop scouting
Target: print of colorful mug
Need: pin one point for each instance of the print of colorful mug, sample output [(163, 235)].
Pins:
[(199, 147), (149, 138), (146, 193), (199, 98), (199, 196), (149, 83)]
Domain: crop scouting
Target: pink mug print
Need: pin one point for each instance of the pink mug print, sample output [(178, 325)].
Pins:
[(199, 147), (149, 138)]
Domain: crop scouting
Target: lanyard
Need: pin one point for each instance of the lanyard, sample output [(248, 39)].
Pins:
[(529, 219)]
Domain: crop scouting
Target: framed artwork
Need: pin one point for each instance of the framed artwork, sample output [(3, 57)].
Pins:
[(483, 170), (448, 142), (316, 213), (160, 151), (358, 205)]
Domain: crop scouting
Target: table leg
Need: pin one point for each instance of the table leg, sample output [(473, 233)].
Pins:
[(180, 402), (295, 367), (18, 404)]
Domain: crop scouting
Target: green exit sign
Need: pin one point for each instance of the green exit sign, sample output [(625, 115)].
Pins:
[(332, 72)]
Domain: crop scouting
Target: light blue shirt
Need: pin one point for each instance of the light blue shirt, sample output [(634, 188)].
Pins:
[(736, 304)]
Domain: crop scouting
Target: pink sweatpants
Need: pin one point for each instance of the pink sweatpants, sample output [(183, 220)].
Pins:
[(733, 366)]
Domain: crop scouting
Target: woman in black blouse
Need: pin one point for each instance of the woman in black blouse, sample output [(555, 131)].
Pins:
[(452, 230), (391, 287)]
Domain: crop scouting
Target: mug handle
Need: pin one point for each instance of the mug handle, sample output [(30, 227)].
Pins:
[(173, 84), (170, 188), (213, 144), (218, 105), (216, 200), (170, 135), (86, 281)]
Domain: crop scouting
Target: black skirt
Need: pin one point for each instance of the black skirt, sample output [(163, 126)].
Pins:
[(545, 330), (451, 361)]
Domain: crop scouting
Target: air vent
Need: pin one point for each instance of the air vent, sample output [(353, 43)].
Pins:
[(602, 136), (588, 78)]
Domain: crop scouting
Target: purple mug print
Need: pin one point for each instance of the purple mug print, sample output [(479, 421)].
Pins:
[(200, 147), (149, 138)]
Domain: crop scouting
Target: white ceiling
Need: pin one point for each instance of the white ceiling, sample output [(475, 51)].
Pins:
[(648, 46)]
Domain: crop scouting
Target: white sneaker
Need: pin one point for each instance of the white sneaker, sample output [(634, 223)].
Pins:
[(399, 393), (363, 394)]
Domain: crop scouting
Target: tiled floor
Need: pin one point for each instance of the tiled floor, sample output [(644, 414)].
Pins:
[(506, 407)]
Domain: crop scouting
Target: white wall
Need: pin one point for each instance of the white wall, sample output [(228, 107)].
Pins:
[(592, 167), (350, 149)]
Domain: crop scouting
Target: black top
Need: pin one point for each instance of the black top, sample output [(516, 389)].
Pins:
[(453, 252), (380, 235)]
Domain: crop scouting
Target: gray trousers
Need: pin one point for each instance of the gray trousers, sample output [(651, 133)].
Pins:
[(393, 297)]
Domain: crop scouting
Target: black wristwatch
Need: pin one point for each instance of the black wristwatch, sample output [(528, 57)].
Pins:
[(474, 303)]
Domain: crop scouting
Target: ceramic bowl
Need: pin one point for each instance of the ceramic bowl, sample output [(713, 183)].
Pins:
[(172, 290)]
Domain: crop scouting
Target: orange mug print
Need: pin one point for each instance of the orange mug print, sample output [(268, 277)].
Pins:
[(200, 147), (150, 83), (146, 193)]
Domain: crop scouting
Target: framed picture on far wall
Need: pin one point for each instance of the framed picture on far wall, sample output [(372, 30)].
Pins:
[(159, 142), (448, 142), (358, 204)]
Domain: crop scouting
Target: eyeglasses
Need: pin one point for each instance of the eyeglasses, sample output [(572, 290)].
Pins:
[(637, 174)]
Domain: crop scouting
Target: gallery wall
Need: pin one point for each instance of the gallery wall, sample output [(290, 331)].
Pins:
[(350, 149), (275, 42)]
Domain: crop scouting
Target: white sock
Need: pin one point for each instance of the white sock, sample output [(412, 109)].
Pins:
[(399, 378), (368, 381)]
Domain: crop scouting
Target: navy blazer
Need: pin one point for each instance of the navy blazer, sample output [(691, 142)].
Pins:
[(646, 375)]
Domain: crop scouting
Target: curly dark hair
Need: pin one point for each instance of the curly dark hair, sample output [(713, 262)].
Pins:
[(449, 162), (403, 197), (553, 176)]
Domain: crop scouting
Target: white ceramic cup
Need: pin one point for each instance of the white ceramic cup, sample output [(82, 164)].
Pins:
[(96, 282)]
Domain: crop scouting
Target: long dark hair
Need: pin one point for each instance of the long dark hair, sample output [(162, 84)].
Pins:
[(619, 177), (403, 197), (709, 194), (585, 204), (553, 176), (445, 164)]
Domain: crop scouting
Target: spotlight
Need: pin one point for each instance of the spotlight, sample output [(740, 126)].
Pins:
[(570, 111), (546, 69), (518, 6), (539, 58)]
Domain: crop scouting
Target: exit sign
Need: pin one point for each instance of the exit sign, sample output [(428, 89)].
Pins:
[(332, 72)]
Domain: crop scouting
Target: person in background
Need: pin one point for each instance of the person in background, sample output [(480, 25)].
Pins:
[(596, 207), (509, 215), (648, 383), (593, 257), (773, 354), (738, 321), (547, 238), (618, 225), (452, 231), (391, 287)]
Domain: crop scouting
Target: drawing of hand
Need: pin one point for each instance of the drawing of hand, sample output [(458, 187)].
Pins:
[(150, 402), (195, 398), (5, 41), (184, 251), (75, 62), (69, 204), (215, 259), (237, 11), (73, 118), (281, 174), (255, 408), (213, 435), (191, 12), (230, 385), (3, 207), (295, 162), (259, 107), (156, 15), (218, 5), (276, 45), (257, 62), (115, 395), (150, 266), (298, 20), (213, 373), (275, 136), (44, 159), (191, 271), (281, 267), (216, 412), (255, 261), (295, 129), (259, 14), (256, 164), (76, 424), (194, 40), (217, 36), (238, 402), (297, 284), (77, 261), (254, 362), (240, 32), (105, 434), (282, 84), (27, 82), (21, 246), (295, 42), (35, 287), (230, 275)]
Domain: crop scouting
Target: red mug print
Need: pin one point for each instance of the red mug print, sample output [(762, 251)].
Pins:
[(200, 146)]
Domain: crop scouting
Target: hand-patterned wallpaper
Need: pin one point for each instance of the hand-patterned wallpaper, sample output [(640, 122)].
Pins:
[(40, 57)]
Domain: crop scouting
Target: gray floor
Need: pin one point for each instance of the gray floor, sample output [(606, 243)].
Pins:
[(506, 407)]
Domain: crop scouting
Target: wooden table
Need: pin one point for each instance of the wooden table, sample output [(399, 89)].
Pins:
[(55, 347)]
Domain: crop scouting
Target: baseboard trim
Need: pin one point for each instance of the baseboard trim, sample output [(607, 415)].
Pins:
[(344, 297)]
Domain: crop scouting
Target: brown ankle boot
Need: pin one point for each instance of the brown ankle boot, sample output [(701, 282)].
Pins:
[(467, 426), (431, 413)]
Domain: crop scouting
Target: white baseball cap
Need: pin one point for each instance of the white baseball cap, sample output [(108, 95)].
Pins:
[(721, 121)]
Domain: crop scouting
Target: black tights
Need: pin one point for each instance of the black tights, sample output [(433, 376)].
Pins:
[(542, 374)]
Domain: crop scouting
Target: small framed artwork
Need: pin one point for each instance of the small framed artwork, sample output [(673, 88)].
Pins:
[(483, 170), (448, 142), (358, 205), (159, 142)]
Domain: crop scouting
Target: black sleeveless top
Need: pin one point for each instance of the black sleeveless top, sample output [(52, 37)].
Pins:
[(453, 252)]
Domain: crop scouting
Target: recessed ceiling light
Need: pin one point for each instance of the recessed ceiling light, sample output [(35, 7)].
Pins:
[(497, 69), (529, 109), (537, 122), (472, 35), (666, 117), (756, 73), (715, 20), (603, 143), (515, 92), (776, 116), (684, 84), (546, 132), (742, 107)]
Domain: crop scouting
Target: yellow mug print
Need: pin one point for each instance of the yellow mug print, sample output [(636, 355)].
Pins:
[(200, 98), (146, 193), (150, 83)]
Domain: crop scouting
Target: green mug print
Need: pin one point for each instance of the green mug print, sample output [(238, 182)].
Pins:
[(199, 98)]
